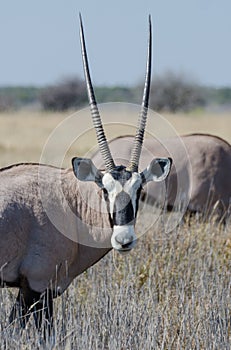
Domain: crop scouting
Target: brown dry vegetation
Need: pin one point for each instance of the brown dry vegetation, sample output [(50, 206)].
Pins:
[(24, 134), (171, 292)]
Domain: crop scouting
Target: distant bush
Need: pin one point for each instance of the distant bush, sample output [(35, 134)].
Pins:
[(6, 102), (70, 93), (173, 93)]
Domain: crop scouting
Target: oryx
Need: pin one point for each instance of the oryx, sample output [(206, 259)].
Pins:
[(40, 259)]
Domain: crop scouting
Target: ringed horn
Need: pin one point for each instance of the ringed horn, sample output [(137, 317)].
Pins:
[(101, 138)]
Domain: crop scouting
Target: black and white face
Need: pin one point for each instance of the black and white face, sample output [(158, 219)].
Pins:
[(122, 191)]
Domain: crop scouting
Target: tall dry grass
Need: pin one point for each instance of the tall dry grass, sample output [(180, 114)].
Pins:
[(171, 292)]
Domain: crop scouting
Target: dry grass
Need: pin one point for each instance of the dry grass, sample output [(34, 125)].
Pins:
[(171, 292), (23, 134), (208, 123)]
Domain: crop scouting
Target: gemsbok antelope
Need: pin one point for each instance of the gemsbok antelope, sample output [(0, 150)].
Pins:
[(199, 180), (55, 223)]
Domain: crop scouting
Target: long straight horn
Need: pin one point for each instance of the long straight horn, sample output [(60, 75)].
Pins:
[(138, 140), (102, 141)]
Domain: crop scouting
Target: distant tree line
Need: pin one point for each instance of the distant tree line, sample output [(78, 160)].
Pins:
[(170, 92), (17, 96)]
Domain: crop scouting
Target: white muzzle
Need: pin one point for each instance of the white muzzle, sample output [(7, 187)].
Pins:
[(123, 238)]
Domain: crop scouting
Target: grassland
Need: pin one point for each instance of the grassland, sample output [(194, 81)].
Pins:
[(171, 292), (24, 134)]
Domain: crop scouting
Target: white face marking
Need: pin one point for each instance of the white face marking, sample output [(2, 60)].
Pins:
[(114, 187), (131, 187)]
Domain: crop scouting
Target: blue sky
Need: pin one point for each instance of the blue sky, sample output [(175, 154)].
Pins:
[(40, 40)]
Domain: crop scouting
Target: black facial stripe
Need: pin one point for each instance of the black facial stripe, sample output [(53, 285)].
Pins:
[(137, 199), (142, 178), (123, 212), (105, 194)]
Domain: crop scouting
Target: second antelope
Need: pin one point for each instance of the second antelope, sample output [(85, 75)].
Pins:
[(198, 181)]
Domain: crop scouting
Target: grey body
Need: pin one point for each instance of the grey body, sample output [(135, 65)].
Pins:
[(203, 164), (31, 247), (54, 226), (36, 256)]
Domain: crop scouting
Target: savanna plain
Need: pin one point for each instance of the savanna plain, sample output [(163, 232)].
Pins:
[(173, 291)]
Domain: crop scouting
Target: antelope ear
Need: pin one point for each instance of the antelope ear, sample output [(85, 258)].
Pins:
[(157, 170), (85, 170)]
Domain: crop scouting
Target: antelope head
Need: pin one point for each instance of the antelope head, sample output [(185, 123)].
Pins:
[(121, 185)]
